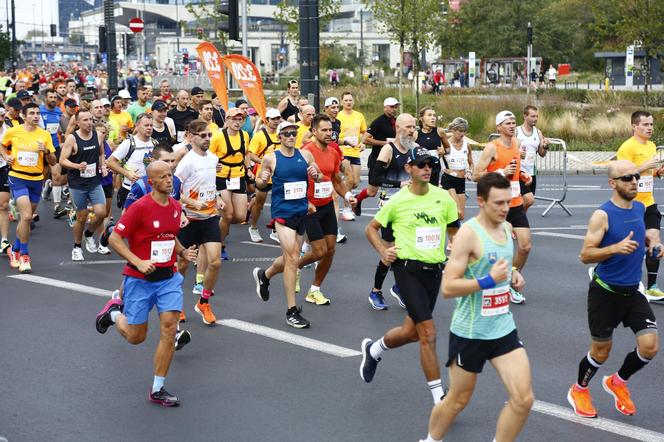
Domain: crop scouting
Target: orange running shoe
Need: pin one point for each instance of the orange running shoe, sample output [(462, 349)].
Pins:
[(618, 389), (24, 264), (581, 401), (14, 259), (183, 317), (205, 310)]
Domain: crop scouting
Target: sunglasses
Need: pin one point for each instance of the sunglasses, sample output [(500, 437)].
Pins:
[(204, 134), (424, 164), (289, 134), (628, 178)]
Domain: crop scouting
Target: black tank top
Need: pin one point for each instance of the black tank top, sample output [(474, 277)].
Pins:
[(430, 141), (163, 136), (86, 151), (291, 109)]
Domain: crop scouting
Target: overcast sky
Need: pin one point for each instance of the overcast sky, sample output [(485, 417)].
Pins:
[(30, 14)]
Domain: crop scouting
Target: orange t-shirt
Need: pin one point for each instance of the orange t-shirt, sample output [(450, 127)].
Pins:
[(328, 161), (504, 155)]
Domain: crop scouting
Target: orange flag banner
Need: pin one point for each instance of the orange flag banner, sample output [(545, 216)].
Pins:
[(212, 60), (249, 80)]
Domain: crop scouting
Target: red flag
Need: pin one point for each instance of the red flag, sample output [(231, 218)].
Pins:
[(212, 60), (249, 80)]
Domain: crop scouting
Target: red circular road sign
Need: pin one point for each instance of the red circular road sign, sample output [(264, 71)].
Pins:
[(136, 25)]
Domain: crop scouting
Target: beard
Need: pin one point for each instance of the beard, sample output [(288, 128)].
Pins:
[(626, 194), (407, 141)]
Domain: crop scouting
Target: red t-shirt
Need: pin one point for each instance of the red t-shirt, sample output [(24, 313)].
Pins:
[(150, 230), (328, 161)]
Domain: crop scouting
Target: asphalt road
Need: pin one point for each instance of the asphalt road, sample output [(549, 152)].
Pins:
[(62, 381)]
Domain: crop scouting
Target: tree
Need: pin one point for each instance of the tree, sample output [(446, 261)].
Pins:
[(288, 13), (5, 45), (207, 17)]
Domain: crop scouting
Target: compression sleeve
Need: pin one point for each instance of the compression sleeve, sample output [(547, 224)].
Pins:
[(378, 179)]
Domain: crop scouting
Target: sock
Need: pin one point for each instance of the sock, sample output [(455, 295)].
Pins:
[(436, 388), (199, 278), (77, 245), (652, 265), (114, 315), (633, 363), (292, 309), (314, 288), (24, 248), (158, 383), (16, 246), (587, 369), (362, 195), (205, 296), (430, 438), (306, 247), (380, 275), (378, 348), (57, 194), (87, 233), (4, 239)]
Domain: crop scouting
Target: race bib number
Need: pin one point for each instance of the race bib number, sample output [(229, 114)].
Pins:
[(52, 128), (90, 171), (646, 183), (206, 193), (515, 188), (233, 183), (495, 301), (427, 238), (295, 191), (161, 251), (530, 158), (27, 158), (323, 190), (180, 136), (456, 163)]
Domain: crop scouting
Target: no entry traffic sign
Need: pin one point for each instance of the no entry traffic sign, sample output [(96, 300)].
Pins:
[(136, 25)]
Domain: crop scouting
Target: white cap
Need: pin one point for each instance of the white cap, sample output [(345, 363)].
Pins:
[(390, 101), (331, 101), (124, 93), (105, 102), (272, 113), (285, 124), (502, 116)]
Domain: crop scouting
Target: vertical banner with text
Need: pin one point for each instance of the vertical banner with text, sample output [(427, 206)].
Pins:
[(472, 75), (212, 61), (249, 79), (629, 66)]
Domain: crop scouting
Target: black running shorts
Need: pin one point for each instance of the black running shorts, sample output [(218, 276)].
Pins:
[(199, 232), (652, 217), (223, 183), (121, 197), (4, 181), (451, 182), (529, 188), (419, 287), (517, 217), (471, 354), (322, 222)]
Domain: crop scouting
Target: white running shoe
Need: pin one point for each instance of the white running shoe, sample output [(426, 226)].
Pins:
[(77, 254), (90, 244), (341, 238), (347, 214), (274, 237), (103, 250), (255, 234)]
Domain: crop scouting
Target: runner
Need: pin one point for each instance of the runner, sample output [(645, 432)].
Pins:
[(205, 114), (83, 158), (379, 131), (321, 225), (304, 125), (197, 95), (433, 138), (182, 115), (103, 130), (458, 159), (288, 105), (616, 240), (51, 115), (264, 142), (4, 193), (641, 151), (121, 122), (230, 146), (26, 149), (201, 201), (150, 227), (533, 143), (418, 214), (503, 156), (289, 169), (163, 127), (353, 127), (478, 275)]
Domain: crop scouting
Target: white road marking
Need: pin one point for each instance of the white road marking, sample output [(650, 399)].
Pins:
[(559, 228), (599, 423), (559, 235), (64, 285), (262, 244), (89, 263), (290, 338)]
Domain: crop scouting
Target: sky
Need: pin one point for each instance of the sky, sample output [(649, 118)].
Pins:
[(30, 14)]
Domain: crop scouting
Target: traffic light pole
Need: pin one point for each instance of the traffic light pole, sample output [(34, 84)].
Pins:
[(14, 54), (112, 57), (309, 51)]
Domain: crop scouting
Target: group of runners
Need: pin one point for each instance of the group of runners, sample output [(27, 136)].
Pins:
[(185, 176)]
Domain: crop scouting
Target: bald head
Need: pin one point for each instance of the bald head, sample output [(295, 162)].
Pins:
[(405, 130), (157, 168), (620, 168), (404, 120), (308, 112), (308, 108)]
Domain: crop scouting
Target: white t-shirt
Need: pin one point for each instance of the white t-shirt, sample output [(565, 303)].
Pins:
[(199, 182), (139, 157), (3, 129)]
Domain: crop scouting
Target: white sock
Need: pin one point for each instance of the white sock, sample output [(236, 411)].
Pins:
[(57, 194), (378, 348), (158, 383), (314, 288), (114, 315), (430, 438), (436, 388), (306, 247)]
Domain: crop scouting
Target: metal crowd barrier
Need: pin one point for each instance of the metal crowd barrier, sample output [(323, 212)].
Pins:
[(554, 167)]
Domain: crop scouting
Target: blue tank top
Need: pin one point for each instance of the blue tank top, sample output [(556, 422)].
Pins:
[(623, 270), (51, 120), (289, 186)]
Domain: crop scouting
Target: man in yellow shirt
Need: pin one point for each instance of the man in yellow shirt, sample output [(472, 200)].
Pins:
[(304, 126), (205, 114), (231, 145), (353, 127), (643, 153), (120, 120), (25, 148)]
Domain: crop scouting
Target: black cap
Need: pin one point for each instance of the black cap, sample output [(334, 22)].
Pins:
[(23, 94), (115, 97), (420, 154), (197, 91), (14, 103), (159, 105), (70, 102), (240, 101)]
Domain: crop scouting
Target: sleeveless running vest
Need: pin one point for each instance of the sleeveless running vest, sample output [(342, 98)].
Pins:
[(485, 314), (231, 151), (623, 270), (504, 156), (291, 109), (86, 151), (457, 159), (396, 171), (529, 143), (430, 141), (163, 136), (289, 186)]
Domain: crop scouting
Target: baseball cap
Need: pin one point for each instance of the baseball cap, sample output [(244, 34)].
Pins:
[(272, 113), (285, 124), (390, 101), (14, 103), (503, 115), (23, 94), (105, 102), (70, 102), (124, 93), (419, 154), (197, 91), (331, 101), (115, 98), (159, 105), (233, 112)]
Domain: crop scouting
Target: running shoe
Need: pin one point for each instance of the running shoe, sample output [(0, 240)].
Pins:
[(317, 297), (394, 291), (59, 211), (90, 244), (103, 238), (116, 294), (14, 259), (46, 190), (516, 297), (198, 289), (295, 319), (347, 214), (621, 397), (164, 398), (358, 209), (183, 317), (298, 278), (255, 234), (224, 254), (655, 294), (376, 300), (369, 364), (77, 254), (341, 238), (71, 217), (103, 250), (581, 401), (205, 310), (24, 264), (103, 320), (4, 247), (182, 338), (262, 284), (274, 237)]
